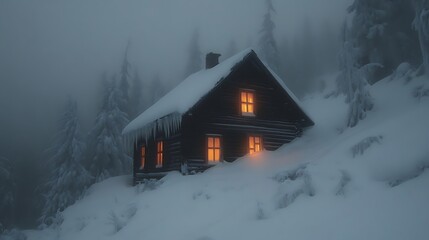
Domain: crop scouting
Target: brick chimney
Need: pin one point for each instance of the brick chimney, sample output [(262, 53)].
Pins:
[(212, 59)]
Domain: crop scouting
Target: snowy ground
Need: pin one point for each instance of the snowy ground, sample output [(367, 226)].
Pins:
[(368, 182)]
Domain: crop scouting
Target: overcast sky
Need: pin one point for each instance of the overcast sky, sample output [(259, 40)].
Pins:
[(53, 48)]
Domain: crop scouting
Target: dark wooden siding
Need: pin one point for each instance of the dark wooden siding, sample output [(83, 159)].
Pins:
[(172, 155), (278, 120)]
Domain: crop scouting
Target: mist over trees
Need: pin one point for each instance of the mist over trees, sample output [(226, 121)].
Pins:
[(138, 86), (155, 90), (195, 56), (380, 36), (7, 195), (231, 49), (421, 25), (68, 177), (308, 56), (382, 31), (352, 81), (106, 155), (267, 43), (137, 102), (124, 85), (380, 40)]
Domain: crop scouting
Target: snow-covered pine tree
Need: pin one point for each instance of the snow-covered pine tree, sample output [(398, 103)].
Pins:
[(382, 30), (68, 178), (124, 84), (7, 196), (136, 103), (107, 156), (195, 60), (267, 44), (421, 25), (352, 81)]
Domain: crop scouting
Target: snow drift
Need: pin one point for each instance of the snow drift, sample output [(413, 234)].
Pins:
[(366, 182)]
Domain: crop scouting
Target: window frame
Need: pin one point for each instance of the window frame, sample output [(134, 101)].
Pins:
[(261, 143), (143, 155), (159, 163), (207, 148), (247, 91)]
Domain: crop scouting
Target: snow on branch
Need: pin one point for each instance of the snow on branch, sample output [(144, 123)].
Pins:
[(294, 183), (344, 181), (420, 92), (364, 144)]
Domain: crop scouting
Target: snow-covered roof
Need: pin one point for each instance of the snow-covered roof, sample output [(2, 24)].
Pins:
[(178, 101)]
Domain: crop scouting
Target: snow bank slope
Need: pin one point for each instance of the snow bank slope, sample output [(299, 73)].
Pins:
[(369, 182)]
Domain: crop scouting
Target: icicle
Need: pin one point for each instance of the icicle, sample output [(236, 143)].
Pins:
[(168, 125)]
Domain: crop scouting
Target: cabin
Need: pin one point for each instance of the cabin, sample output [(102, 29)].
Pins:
[(221, 113)]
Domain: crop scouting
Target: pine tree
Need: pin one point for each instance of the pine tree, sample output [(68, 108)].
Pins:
[(421, 25), (352, 81), (382, 30), (106, 155), (124, 84), (267, 43), (136, 97), (195, 60), (7, 196), (68, 178)]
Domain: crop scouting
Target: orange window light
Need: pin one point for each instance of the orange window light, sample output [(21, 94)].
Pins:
[(213, 149), (159, 154), (142, 156), (255, 144), (247, 102)]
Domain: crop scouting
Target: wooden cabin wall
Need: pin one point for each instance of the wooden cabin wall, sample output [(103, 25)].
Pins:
[(277, 118), (172, 154)]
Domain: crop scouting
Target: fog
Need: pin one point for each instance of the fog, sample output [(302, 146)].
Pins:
[(51, 49)]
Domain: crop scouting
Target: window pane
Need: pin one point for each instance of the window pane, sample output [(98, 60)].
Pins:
[(257, 147), (250, 97), (210, 142), (251, 142), (159, 159), (143, 151), (217, 142), (257, 139), (250, 108), (244, 107), (243, 97), (217, 155), (210, 156)]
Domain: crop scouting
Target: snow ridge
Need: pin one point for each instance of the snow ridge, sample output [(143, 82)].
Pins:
[(314, 183)]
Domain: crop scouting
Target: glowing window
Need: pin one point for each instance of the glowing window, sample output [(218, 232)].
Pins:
[(142, 156), (159, 154), (255, 144), (213, 149), (247, 102)]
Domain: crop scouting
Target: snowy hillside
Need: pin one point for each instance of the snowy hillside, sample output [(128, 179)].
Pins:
[(367, 182)]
